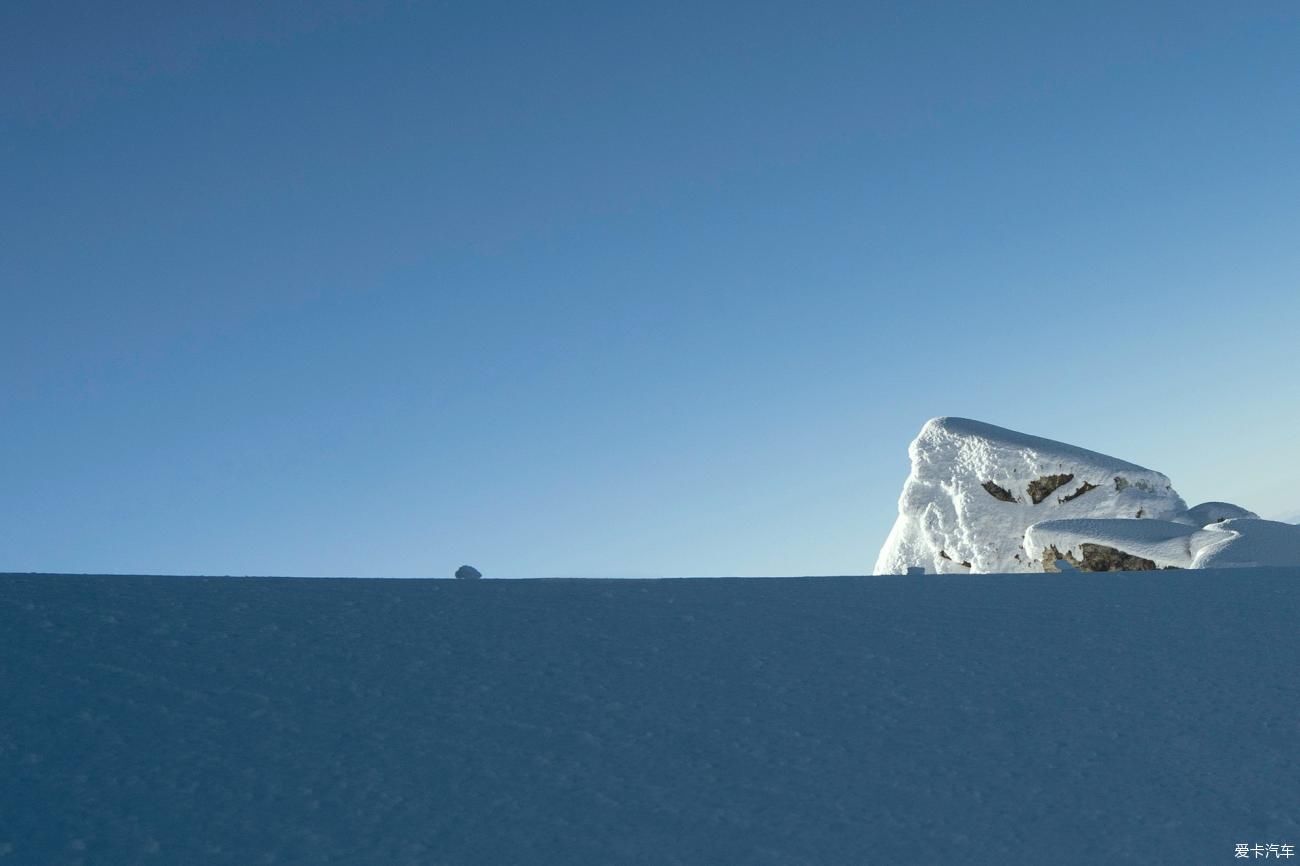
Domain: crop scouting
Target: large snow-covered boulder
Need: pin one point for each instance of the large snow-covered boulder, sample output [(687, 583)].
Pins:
[(975, 488), (985, 499)]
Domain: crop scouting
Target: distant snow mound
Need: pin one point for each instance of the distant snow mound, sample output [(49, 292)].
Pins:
[(1213, 512), (985, 499), (975, 488), (1247, 543)]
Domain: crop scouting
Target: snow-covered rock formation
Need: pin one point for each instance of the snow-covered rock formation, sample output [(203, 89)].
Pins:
[(975, 488), (982, 498)]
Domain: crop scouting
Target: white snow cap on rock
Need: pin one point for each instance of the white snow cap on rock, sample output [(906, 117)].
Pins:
[(975, 488), (985, 499)]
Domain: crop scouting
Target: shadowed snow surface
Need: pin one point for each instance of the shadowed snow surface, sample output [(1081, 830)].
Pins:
[(1087, 718)]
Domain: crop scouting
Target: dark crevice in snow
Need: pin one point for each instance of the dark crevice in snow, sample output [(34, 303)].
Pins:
[(999, 492), (944, 554), (1076, 494), (1040, 488)]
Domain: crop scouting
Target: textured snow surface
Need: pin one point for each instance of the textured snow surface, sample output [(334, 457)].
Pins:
[(950, 522), (1080, 719)]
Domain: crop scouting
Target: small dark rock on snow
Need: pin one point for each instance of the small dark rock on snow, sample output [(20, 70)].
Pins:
[(468, 572)]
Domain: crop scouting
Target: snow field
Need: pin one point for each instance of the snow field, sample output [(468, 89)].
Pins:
[(1090, 718)]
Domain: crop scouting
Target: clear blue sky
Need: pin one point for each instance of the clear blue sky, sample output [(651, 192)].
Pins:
[(622, 288)]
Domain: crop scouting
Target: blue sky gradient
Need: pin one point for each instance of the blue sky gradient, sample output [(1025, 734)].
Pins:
[(621, 289)]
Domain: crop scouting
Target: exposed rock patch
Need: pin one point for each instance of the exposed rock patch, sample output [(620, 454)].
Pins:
[(1082, 490), (999, 492), (1040, 488), (1097, 557)]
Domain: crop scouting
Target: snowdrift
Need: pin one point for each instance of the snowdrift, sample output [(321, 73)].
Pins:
[(1234, 543)]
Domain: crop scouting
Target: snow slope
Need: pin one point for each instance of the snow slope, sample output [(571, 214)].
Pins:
[(1250, 543), (1079, 719), (950, 516)]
